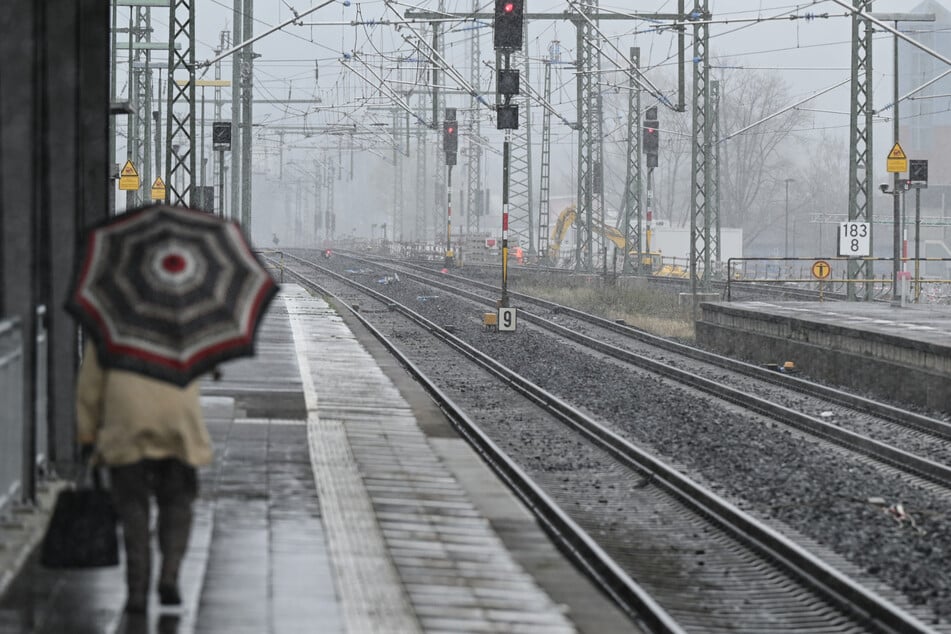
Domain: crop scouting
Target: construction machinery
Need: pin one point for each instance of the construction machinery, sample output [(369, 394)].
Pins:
[(652, 261)]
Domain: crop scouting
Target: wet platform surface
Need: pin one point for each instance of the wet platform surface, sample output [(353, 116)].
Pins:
[(900, 353), (915, 323), (340, 500)]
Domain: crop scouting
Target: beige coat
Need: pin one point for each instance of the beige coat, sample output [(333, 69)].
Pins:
[(131, 417)]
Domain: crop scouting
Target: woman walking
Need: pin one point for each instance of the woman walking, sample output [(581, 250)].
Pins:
[(151, 435)]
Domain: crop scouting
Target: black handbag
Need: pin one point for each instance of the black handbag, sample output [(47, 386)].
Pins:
[(82, 529)]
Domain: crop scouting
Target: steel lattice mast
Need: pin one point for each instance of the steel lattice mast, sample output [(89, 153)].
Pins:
[(714, 201), (474, 194), (422, 215), (521, 223), (588, 142), (319, 219), (860, 157), (399, 121), (544, 187), (140, 96), (439, 107), (700, 241), (332, 175), (180, 116), (237, 67), (247, 117), (633, 210)]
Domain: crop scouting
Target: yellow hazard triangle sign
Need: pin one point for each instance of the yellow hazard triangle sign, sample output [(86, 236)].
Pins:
[(129, 169), (158, 189), (897, 162), (129, 177)]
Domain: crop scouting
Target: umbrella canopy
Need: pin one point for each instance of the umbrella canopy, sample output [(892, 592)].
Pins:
[(169, 292)]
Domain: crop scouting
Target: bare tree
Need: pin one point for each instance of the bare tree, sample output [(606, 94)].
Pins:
[(754, 164), (820, 188)]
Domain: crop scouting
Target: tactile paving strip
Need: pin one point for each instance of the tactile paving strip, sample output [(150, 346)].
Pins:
[(405, 540)]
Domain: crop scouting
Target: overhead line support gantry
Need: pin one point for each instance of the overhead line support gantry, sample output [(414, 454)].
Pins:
[(590, 182)]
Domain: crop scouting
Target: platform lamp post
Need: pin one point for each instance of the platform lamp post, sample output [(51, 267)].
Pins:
[(786, 245)]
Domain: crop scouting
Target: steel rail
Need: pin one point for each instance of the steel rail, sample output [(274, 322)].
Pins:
[(907, 462), (894, 414), (866, 606), (571, 538)]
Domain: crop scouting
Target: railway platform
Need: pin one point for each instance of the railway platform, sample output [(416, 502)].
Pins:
[(901, 353), (340, 500)]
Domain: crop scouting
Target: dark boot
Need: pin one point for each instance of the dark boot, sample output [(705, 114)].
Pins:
[(169, 594)]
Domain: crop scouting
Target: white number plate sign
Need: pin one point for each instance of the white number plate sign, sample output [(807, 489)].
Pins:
[(507, 319), (855, 239)]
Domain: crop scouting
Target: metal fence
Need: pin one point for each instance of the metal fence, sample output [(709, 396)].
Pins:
[(11, 410), (15, 480), (830, 276)]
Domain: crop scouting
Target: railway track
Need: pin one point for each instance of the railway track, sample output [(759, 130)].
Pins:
[(705, 562), (909, 441)]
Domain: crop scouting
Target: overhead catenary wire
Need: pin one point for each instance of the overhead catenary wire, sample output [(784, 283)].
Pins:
[(446, 65), (636, 75), (783, 110), (235, 49), (438, 60), (909, 40), (379, 67), (397, 99)]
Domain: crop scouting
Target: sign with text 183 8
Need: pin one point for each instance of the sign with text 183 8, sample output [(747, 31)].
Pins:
[(855, 239)]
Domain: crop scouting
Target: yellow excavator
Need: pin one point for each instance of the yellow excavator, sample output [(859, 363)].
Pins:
[(566, 218)]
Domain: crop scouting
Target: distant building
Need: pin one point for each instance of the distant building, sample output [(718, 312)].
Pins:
[(925, 117), (925, 130)]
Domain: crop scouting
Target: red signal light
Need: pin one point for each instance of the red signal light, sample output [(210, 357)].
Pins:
[(450, 129), (508, 24)]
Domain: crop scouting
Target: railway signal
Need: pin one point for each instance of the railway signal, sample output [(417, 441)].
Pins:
[(918, 172), (450, 136), (507, 82), (506, 116), (221, 136), (651, 136), (508, 24), (450, 144)]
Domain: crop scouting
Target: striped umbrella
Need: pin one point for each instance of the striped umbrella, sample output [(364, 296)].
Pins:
[(169, 292)]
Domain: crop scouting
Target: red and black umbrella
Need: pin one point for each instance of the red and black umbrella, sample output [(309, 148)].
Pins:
[(169, 292)]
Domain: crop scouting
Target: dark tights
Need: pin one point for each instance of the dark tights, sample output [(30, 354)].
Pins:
[(175, 486)]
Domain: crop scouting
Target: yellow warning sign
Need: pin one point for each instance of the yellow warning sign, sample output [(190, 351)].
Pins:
[(129, 177), (897, 161), (821, 269), (158, 189)]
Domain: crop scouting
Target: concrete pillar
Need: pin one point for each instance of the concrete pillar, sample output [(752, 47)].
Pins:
[(53, 177)]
